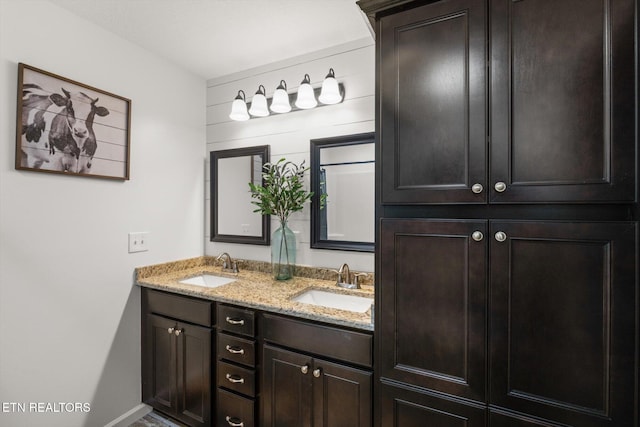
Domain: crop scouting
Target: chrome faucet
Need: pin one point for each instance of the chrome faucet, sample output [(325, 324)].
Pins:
[(344, 278), (344, 274), (228, 264)]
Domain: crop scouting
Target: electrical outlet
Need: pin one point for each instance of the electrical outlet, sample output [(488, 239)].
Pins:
[(138, 242), (245, 228)]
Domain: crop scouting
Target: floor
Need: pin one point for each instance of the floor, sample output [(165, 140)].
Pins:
[(154, 419)]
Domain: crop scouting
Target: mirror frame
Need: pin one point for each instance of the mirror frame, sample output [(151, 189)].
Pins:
[(214, 156), (315, 146)]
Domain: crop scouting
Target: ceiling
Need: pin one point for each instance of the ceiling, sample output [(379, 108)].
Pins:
[(213, 38)]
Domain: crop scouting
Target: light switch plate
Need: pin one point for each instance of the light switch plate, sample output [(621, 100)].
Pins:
[(138, 242)]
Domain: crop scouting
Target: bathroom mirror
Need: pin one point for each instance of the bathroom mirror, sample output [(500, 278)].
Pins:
[(343, 169), (232, 216)]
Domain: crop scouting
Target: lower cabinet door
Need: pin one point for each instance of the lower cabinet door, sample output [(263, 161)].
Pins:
[(286, 388), (563, 325), (159, 361), (401, 407), (432, 305), (194, 374), (342, 395)]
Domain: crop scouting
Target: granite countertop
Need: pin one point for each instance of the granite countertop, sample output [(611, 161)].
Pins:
[(257, 289)]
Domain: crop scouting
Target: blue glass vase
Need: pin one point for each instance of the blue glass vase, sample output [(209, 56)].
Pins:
[(283, 253)]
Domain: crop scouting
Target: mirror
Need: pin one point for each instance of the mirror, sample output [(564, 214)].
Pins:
[(232, 216), (343, 169)]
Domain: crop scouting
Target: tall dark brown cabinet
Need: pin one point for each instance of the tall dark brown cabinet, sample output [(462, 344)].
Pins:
[(507, 229)]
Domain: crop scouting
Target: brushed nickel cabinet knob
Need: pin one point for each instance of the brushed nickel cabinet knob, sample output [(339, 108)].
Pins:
[(501, 236), (477, 236)]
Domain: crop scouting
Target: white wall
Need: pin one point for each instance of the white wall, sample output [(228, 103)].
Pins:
[(69, 313), (289, 134)]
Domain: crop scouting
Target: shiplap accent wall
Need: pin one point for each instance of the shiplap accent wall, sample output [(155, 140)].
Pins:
[(289, 134)]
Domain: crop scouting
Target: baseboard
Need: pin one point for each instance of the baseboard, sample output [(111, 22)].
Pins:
[(129, 417)]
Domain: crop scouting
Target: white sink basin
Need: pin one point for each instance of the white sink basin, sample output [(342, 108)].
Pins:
[(335, 300), (207, 280)]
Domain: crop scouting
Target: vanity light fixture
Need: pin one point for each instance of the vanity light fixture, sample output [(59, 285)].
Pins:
[(239, 108), (330, 93), (280, 101), (306, 97), (259, 103)]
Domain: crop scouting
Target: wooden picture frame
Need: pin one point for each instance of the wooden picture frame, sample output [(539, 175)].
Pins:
[(66, 127)]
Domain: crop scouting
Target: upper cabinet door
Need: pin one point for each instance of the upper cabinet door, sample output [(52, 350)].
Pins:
[(562, 101), (432, 95)]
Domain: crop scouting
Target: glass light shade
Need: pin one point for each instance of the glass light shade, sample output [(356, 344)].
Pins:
[(280, 101), (330, 92), (306, 97), (239, 108), (259, 104)]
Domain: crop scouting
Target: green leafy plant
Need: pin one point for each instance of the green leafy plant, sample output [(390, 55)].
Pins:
[(282, 192)]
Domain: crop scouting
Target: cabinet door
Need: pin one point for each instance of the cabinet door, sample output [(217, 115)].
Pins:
[(432, 305), (432, 96), (563, 321), (562, 100), (286, 388), (342, 396), (159, 364), (194, 374)]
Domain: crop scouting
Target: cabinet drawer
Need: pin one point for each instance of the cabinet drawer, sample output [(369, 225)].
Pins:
[(180, 307), (341, 344), (498, 418), (235, 349), (401, 406), (235, 411), (236, 378), (236, 320)]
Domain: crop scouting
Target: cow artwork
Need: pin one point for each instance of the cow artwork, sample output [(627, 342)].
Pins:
[(58, 128), (70, 130)]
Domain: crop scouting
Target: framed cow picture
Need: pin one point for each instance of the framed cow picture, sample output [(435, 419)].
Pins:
[(66, 127)]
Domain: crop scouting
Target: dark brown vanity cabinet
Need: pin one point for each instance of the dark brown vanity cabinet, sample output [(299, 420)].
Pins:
[(308, 377), (176, 356), (559, 126), (236, 367)]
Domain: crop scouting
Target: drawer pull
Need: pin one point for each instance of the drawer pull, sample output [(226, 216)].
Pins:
[(234, 422), (501, 236), (235, 379), (317, 372), (232, 321), (304, 369), (177, 332), (234, 349), (170, 330)]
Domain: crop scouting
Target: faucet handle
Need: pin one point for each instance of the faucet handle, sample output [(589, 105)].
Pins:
[(357, 280)]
